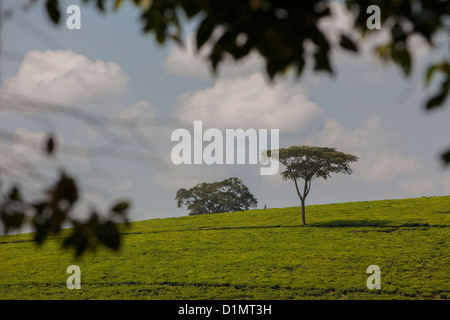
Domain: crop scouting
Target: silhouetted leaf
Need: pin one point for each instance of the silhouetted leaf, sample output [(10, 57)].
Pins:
[(108, 234), (53, 10), (66, 189), (81, 246), (14, 194), (403, 58), (39, 206), (41, 232), (437, 100), (300, 65), (100, 5), (322, 62), (383, 51), (16, 220), (444, 67), (50, 145), (190, 8), (121, 207), (11, 221), (204, 31), (78, 240), (4, 218), (177, 39), (348, 44), (446, 157), (117, 4)]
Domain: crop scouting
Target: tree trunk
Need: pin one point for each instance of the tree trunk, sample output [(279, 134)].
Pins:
[(302, 198), (303, 212)]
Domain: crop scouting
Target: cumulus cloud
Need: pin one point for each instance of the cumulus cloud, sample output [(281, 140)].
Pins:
[(123, 186), (446, 183), (418, 187), (340, 20), (250, 102), (379, 160), (27, 143), (386, 166), (187, 176), (65, 77), (333, 134), (25, 140), (187, 61), (369, 135), (24, 156), (141, 108)]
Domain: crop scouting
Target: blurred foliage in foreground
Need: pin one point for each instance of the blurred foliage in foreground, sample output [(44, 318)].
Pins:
[(55, 211)]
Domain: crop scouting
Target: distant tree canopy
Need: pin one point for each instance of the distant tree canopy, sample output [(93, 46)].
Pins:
[(308, 163), (225, 196)]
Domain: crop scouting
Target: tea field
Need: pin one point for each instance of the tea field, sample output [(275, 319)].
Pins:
[(256, 254)]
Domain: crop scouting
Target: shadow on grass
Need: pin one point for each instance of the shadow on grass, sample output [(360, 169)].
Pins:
[(327, 224), (350, 223)]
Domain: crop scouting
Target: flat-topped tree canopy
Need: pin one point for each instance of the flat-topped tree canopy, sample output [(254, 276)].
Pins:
[(308, 163)]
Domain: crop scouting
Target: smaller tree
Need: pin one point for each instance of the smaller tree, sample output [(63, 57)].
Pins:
[(308, 163), (225, 196)]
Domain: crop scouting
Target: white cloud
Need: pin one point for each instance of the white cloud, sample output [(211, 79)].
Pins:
[(187, 176), (141, 108), (335, 135), (340, 20), (24, 158), (386, 166), (186, 61), (123, 186), (66, 77), (250, 102), (26, 140), (28, 144), (446, 183), (418, 187), (378, 159), (370, 135)]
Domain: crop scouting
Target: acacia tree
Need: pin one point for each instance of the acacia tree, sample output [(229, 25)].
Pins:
[(308, 163), (225, 196)]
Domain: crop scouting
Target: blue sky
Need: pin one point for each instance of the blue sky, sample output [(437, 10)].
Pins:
[(368, 109)]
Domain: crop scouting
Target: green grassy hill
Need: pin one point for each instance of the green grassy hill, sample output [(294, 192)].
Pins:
[(257, 254)]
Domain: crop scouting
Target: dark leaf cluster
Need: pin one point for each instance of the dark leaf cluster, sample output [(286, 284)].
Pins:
[(55, 211)]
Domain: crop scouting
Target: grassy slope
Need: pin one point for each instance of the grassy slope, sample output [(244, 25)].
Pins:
[(258, 254)]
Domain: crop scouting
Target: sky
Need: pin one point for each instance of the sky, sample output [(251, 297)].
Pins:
[(110, 70)]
